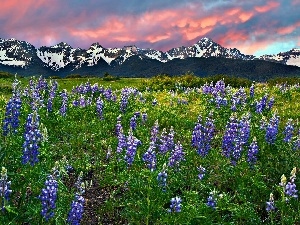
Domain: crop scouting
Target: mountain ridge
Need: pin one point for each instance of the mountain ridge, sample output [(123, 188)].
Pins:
[(62, 58)]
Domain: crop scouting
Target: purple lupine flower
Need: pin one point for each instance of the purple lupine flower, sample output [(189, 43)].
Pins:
[(170, 138), (175, 205), (252, 153), (5, 189), (211, 201), (150, 157), (82, 102), (64, 105), (162, 179), (202, 136), (202, 172), (118, 125), (48, 197), (122, 144), (228, 143), (271, 103), (288, 131), (163, 146), (99, 108), (290, 187), (261, 105), (270, 206), (154, 132), (11, 120), (252, 89), (177, 155), (154, 102), (137, 114), (296, 142), (144, 117), (133, 123), (236, 136), (32, 136), (272, 129), (132, 144), (52, 94), (244, 129), (76, 212)]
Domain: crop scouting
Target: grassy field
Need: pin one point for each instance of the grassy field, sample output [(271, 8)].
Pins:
[(134, 152)]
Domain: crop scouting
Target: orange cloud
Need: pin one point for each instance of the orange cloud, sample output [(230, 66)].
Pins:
[(265, 8), (288, 29), (153, 39)]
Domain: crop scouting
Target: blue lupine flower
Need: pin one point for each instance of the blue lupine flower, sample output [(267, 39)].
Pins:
[(270, 206), (288, 131), (162, 179), (144, 118), (64, 105), (272, 129), (48, 197), (150, 157), (154, 132), (5, 190), (228, 144), (211, 201), (132, 144), (11, 120), (82, 102), (296, 142), (118, 125), (271, 103), (252, 89), (202, 172), (154, 102), (244, 129), (290, 187), (175, 205), (163, 146), (202, 136), (32, 136), (76, 212), (52, 94), (177, 155), (133, 123), (99, 108), (252, 153), (122, 144)]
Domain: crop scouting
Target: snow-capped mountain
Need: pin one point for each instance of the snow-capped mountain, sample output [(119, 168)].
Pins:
[(64, 58), (16, 53), (291, 57)]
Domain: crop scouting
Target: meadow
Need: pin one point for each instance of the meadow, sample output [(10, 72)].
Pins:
[(149, 151)]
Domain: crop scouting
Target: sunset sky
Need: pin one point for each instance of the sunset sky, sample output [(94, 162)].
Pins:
[(254, 27)]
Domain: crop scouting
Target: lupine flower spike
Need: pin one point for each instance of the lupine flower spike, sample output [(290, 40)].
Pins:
[(48, 197), (175, 205), (5, 190), (270, 206)]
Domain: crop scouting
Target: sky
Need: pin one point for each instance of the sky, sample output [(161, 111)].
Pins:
[(254, 27)]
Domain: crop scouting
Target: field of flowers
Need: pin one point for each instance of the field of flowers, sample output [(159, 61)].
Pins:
[(93, 154)]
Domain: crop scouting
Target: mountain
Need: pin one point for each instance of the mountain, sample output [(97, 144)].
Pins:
[(291, 57), (203, 58)]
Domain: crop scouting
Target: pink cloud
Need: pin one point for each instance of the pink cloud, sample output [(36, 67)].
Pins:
[(265, 8), (295, 2), (288, 29)]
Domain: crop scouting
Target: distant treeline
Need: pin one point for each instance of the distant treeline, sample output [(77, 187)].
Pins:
[(166, 81)]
